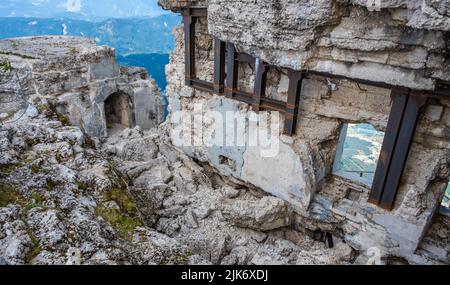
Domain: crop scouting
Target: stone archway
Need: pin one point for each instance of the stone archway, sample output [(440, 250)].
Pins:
[(118, 112)]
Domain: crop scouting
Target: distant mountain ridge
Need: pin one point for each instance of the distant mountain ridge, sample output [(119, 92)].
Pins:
[(139, 35), (139, 30), (92, 10)]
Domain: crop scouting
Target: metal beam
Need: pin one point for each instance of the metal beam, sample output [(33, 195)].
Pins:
[(202, 85), (245, 57), (400, 155), (260, 84), (441, 91), (396, 145), (219, 65), (293, 101), (266, 103), (232, 71), (198, 12), (399, 97), (189, 50)]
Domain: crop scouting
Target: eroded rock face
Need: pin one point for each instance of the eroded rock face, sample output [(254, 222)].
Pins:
[(69, 198), (131, 199), (425, 14), (396, 42), (177, 5), (402, 44), (62, 203), (82, 80), (273, 29), (224, 224)]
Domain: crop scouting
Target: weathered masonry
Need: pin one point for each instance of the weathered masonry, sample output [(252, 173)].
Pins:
[(399, 132), (226, 62), (333, 77)]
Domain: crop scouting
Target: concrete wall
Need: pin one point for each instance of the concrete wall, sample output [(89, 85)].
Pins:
[(302, 172)]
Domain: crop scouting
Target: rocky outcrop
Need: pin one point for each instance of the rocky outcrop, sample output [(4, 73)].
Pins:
[(400, 43), (130, 198), (222, 222), (152, 197), (62, 202), (269, 213), (397, 42), (134, 199), (78, 77)]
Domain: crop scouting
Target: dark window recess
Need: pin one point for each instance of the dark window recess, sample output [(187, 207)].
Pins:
[(325, 237), (353, 194), (118, 111), (230, 163)]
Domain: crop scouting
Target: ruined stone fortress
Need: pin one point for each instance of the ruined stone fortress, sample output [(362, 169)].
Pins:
[(92, 172), (325, 65)]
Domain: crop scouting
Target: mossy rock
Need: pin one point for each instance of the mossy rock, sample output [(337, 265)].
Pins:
[(8, 195), (31, 142), (58, 157), (81, 185), (125, 219), (8, 116), (63, 119), (45, 109), (124, 224), (123, 199), (8, 168), (35, 168), (6, 66), (36, 202), (36, 248), (51, 185)]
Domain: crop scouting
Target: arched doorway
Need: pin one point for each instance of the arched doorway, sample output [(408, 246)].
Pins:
[(118, 112)]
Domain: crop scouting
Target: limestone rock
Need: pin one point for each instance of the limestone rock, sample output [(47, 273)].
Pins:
[(47, 227), (266, 214), (79, 79), (288, 33)]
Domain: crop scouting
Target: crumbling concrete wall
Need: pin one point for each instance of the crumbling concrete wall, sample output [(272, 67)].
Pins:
[(333, 36), (77, 76), (402, 44)]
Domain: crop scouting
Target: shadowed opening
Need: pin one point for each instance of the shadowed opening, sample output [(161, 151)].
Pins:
[(118, 112)]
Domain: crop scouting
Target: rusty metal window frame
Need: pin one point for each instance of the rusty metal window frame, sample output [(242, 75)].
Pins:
[(258, 99), (293, 101), (290, 108), (190, 16), (234, 59)]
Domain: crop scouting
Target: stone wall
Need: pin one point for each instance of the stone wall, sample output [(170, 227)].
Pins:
[(402, 44), (77, 76)]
